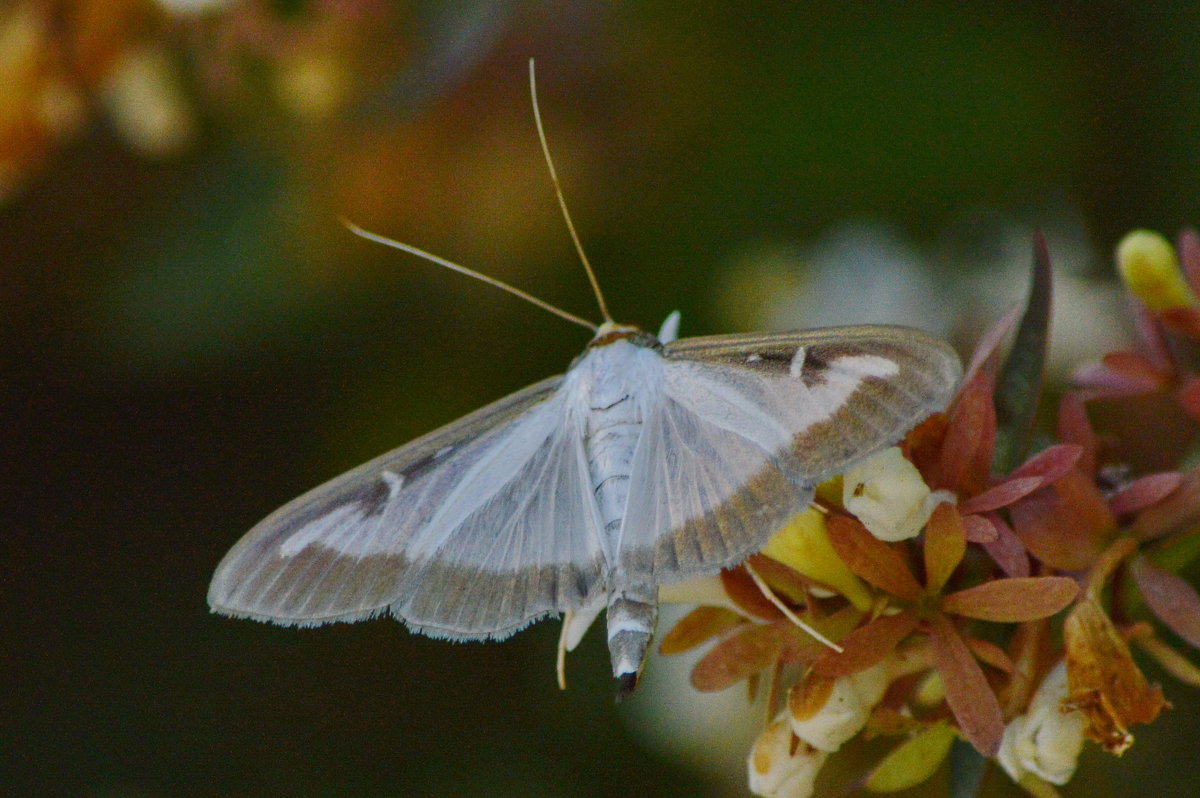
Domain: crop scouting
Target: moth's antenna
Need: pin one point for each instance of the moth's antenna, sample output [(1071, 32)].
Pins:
[(562, 203), (420, 253)]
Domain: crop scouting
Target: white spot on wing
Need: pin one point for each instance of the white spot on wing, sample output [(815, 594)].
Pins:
[(394, 483), (330, 530), (753, 358), (797, 366)]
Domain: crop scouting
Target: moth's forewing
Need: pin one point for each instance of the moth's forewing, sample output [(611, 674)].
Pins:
[(360, 544), (750, 424)]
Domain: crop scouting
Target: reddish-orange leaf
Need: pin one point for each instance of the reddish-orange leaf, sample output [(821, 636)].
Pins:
[(742, 590), (1188, 397), (970, 437), (870, 558), (1169, 597), (1074, 427), (1013, 600), (1001, 494), (967, 692), (1105, 683), (802, 647), (740, 655), (1182, 320), (787, 582), (1143, 492), (1188, 247), (698, 626), (945, 545), (978, 528), (1007, 549), (1175, 512), (1135, 369), (987, 349), (991, 654), (923, 445), (1051, 463), (1065, 525), (867, 645)]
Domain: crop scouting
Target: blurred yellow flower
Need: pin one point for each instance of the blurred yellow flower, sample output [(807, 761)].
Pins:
[(1150, 269)]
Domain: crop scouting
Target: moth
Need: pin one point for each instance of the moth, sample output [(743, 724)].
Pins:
[(651, 460)]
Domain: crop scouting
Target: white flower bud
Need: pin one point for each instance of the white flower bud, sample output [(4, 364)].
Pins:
[(776, 771), (1045, 741), (886, 492), (845, 710)]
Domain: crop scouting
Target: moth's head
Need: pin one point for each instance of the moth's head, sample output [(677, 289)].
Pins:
[(610, 332)]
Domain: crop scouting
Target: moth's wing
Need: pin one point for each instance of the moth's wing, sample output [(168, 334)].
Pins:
[(471, 531), (748, 425)]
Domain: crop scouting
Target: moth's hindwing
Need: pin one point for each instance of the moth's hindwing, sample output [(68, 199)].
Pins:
[(472, 531), (750, 424)]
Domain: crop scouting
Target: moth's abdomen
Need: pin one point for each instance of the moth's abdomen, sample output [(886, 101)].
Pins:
[(621, 384), (622, 377), (631, 615)]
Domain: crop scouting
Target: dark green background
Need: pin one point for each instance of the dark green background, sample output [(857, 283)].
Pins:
[(188, 344)]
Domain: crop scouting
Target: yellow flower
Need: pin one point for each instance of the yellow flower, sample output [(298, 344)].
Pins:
[(1150, 269), (803, 545)]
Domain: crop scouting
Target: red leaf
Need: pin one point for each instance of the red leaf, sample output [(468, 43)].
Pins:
[(1074, 428), (1143, 492), (742, 590), (922, 446), (1181, 320), (1002, 495), (1007, 549), (784, 580), (867, 645), (1048, 465), (970, 438), (739, 656), (1051, 463), (1120, 374), (1188, 247), (1188, 397), (1152, 333), (967, 692), (1180, 510), (991, 654), (1171, 598), (870, 558), (945, 545), (988, 347), (1135, 369), (1013, 600), (1065, 525), (979, 529), (698, 626)]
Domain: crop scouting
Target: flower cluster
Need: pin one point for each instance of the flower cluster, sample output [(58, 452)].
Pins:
[(150, 69), (954, 587)]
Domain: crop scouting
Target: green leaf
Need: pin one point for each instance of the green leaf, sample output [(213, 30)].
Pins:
[(1020, 382), (913, 761)]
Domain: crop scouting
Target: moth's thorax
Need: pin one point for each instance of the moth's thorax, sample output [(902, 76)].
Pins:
[(613, 388)]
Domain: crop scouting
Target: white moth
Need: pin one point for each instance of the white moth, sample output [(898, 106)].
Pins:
[(650, 461)]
